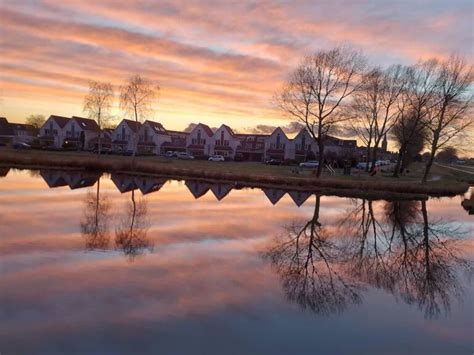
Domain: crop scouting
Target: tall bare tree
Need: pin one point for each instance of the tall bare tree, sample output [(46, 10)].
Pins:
[(318, 88), (97, 104), (449, 116), (375, 106), (415, 104), (136, 100)]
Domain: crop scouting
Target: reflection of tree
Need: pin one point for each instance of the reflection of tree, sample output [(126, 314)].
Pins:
[(406, 254), (94, 225), (131, 234), (306, 260)]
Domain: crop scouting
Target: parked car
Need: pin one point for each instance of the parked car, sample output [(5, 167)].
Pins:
[(273, 162), (21, 146), (216, 158), (185, 156), (310, 164), (169, 154)]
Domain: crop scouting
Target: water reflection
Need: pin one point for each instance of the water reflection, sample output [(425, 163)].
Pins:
[(95, 221), (306, 257), (131, 232), (402, 252)]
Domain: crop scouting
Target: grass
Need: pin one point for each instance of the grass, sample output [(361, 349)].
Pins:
[(244, 173)]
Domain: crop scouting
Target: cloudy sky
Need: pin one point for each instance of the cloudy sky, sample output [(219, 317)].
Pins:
[(216, 61)]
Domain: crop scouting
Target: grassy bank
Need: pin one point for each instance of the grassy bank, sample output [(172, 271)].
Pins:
[(244, 173)]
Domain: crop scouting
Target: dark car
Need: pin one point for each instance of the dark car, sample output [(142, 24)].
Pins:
[(273, 162), (21, 146)]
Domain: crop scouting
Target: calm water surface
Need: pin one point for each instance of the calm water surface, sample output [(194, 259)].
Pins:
[(122, 265)]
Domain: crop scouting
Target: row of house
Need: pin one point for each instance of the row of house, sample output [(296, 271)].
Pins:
[(126, 183), (201, 141)]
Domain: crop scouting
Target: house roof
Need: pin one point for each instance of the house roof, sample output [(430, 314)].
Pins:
[(133, 125), (178, 132), (5, 128), (157, 127), (231, 132), (60, 120), (86, 123), (206, 129)]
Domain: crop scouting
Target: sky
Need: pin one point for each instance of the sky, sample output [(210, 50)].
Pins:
[(215, 61)]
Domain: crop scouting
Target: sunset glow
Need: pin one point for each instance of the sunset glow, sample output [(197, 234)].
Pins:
[(214, 63)]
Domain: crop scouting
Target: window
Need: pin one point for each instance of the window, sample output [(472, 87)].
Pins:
[(123, 133)]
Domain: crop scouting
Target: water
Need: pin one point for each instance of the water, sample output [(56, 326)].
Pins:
[(174, 267)]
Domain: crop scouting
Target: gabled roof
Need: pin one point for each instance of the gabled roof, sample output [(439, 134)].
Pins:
[(5, 128), (303, 130), (278, 130), (178, 132), (231, 132), (133, 125), (60, 120), (156, 127), (86, 123), (206, 129)]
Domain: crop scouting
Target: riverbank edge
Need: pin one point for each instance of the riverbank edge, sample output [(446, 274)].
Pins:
[(325, 186)]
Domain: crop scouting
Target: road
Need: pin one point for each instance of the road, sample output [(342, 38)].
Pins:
[(465, 169)]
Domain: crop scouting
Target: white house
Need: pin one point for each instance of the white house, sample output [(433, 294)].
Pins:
[(123, 136), (52, 133), (198, 142), (303, 146), (80, 132), (152, 136), (277, 145), (224, 142)]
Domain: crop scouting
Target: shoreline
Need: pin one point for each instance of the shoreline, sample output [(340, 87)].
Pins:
[(355, 187)]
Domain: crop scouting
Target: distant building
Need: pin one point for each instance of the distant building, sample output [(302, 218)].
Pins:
[(277, 146), (81, 132), (6, 131), (125, 136), (52, 133), (224, 142), (198, 142), (152, 135), (177, 142), (251, 146)]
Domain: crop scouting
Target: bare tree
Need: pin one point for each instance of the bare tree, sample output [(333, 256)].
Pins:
[(415, 104), (449, 116), (35, 120), (97, 104), (136, 100), (410, 137), (317, 89), (375, 106)]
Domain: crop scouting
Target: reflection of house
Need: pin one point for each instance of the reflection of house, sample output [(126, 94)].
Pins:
[(177, 142), (274, 195), (198, 142), (79, 132), (124, 136), (53, 178), (197, 188), (251, 146), (123, 182), (221, 190), (299, 197), (224, 142), (277, 145), (4, 172), (52, 133), (80, 179), (149, 184), (152, 136)]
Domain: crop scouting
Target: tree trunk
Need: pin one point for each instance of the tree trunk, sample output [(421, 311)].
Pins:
[(429, 164), (100, 133), (321, 157), (398, 164), (367, 160)]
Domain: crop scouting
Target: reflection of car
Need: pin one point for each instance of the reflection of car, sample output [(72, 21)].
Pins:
[(216, 158), (310, 164), (185, 156), (273, 162), (21, 146)]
